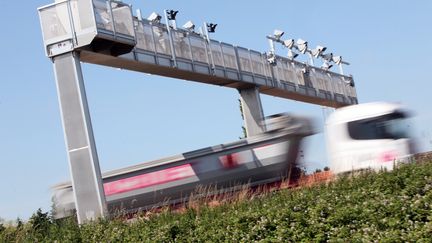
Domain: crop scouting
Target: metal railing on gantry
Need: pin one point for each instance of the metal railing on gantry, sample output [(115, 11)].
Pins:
[(107, 33)]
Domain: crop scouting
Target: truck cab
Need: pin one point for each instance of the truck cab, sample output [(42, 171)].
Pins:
[(368, 136)]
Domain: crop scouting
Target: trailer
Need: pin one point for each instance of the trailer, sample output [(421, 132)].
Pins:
[(257, 160)]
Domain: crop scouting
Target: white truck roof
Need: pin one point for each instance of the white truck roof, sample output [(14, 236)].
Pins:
[(363, 111)]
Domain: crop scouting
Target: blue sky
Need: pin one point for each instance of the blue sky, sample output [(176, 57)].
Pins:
[(139, 117)]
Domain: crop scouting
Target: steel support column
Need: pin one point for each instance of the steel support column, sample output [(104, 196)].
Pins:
[(253, 114), (83, 160)]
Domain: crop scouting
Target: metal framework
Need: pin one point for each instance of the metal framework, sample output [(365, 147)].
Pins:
[(105, 32)]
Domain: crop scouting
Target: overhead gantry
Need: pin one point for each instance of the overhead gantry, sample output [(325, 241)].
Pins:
[(106, 33)]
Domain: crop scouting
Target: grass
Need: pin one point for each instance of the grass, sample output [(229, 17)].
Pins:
[(384, 207)]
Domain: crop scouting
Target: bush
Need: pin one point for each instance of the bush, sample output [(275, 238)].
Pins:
[(383, 206)]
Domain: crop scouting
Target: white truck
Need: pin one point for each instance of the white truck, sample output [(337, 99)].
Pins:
[(358, 137)]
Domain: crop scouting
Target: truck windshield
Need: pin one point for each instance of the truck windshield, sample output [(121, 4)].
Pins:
[(390, 126)]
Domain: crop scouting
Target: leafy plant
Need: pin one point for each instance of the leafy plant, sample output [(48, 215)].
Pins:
[(385, 207)]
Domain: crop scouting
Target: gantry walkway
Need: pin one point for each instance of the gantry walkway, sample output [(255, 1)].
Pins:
[(182, 54)]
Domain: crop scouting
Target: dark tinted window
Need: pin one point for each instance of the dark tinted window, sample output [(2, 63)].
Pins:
[(391, 126)]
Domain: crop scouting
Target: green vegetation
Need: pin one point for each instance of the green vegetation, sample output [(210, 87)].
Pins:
[(384, 207)]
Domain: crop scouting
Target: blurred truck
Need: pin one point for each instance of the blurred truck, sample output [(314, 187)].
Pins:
[(358, 137)]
